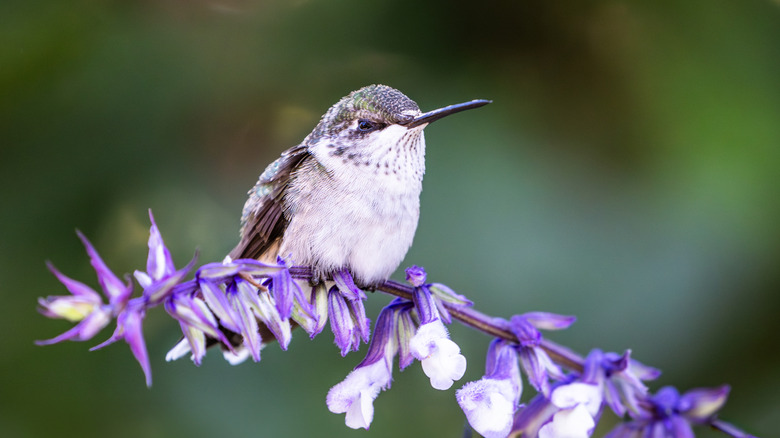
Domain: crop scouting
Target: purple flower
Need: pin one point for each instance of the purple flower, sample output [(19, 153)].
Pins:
[(347, 314), (239, 294), (118, 292), (161, 275), (405, 330), (415, 275), (355, 395), (669, 414), (347, 321), (490, 403), (232, 294), (158, 282), (534, 360), (85, 305), (622, 379), (285, 290), (363, 324), (159, 263), (129, 328), (310, 310), (267, 311), (228, 268), (218, 303), (571, 408), (346, 285), (447, 295), (425, 305), (196, 321), (571, 411), (341, 322), (577, 407)]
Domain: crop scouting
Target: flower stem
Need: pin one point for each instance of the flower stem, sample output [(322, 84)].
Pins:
[(473, 318), (491, 326)]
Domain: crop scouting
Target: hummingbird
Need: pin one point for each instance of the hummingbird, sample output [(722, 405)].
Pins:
[(348, 196)]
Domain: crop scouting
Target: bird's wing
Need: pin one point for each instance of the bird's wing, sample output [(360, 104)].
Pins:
[(263, 221)]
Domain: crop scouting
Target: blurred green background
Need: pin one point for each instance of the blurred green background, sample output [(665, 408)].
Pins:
[(627, 172)]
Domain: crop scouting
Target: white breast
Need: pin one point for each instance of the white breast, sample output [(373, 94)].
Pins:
[(355, 215)]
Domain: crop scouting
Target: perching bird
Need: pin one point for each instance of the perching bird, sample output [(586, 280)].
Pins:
[(348, 196)]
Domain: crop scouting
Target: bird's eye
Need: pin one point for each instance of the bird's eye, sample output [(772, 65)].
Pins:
[(365, 125)]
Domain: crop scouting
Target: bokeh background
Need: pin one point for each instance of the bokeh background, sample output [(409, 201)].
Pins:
[(628, 172)]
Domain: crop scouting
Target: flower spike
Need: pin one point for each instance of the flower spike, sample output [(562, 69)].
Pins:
[(242, 304)]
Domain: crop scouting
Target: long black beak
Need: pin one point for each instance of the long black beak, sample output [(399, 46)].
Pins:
[(432, 116)]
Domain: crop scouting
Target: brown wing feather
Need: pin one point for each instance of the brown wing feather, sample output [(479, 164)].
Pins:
[(265, 223)]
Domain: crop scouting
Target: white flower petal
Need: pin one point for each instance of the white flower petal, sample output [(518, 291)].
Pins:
[(356, 393), (489, 406), (569, 423), (440, 357), (361, 412), (424, 341), (178, 351), (239, 355), (143, 279), (444, 365), (578, 393)]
